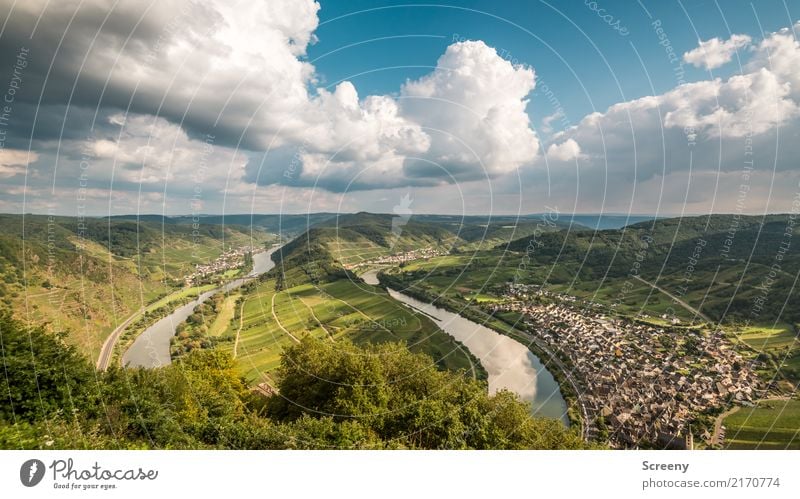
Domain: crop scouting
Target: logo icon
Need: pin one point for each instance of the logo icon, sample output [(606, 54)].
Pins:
[(403, 211), (31, 472)]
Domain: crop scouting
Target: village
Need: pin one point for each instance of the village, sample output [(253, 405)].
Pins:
[(231, 259), (644, 384), (398, 258)]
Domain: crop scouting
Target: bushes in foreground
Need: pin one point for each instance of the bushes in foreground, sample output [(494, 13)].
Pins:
[(330, 396)]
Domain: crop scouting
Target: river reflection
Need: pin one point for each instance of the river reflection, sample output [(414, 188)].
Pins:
[(509, 363)]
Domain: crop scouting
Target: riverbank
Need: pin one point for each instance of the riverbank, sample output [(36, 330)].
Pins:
[(151, 348), (509, 359)]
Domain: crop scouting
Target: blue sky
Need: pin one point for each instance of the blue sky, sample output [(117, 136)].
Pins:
[(173, 106), (571, 48)]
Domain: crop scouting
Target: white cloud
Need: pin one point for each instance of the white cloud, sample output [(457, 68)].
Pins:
[(547, 121), (235, 70), (475, 101), (565, 151), (688, 146), (715, 52), (464, 120), (15, 162)]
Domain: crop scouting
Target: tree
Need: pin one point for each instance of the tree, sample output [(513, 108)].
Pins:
[(401, 397), (43, 375)]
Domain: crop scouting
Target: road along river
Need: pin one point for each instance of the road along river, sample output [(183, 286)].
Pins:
[(151, 348), (510, 364)]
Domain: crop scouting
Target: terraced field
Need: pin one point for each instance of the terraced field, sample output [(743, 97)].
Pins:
[(365, 314), (774, 424)]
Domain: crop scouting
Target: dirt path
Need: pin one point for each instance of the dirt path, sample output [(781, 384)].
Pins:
[(360, 312), (277, 321), (677, 300), (330, 335), (239, 331)]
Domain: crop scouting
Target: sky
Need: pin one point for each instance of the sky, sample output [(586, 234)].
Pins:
[(472, 107)]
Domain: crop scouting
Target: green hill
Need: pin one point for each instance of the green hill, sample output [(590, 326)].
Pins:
[(88, 275), (325, 250), (720, 263), (311, 293)]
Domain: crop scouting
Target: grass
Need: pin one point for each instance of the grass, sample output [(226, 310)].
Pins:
[(452, 276), (769, 337), (772, 424), (180, 294), (90, 298), (362, 313), (226, 313)]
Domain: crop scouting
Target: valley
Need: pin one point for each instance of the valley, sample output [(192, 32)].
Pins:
[(639, 329)]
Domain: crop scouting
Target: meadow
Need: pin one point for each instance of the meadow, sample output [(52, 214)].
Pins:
[(773, 424), (271, 321)]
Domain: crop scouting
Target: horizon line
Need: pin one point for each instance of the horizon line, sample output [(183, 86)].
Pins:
[(573, 214)]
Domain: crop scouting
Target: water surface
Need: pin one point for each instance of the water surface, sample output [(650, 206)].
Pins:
[(151, 348), (509, 363)]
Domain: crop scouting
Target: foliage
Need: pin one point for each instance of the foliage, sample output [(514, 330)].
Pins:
[(377, 397), (401, 397)]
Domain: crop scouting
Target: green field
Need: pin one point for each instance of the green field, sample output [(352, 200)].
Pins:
[(480, 277), (768, 337), (223, 320), (361, 313), (89, 282), (772, 424)]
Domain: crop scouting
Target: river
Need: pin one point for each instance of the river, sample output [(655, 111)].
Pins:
[(509, 363), (151, 348)]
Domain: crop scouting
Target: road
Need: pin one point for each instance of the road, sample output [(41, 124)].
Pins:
[(677, 300), (716, 437), (108, 346)]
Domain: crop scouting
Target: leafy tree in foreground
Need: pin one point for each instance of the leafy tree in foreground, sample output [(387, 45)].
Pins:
[(402, 398), (331, 396)]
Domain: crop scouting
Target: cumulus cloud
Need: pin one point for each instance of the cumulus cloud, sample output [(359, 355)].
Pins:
[(235, 70), (139, 87), (565, 151), (465, 120), (695, 147), (718, 121), (475, 102), (714, 53), (231, 67), (547, 121)]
